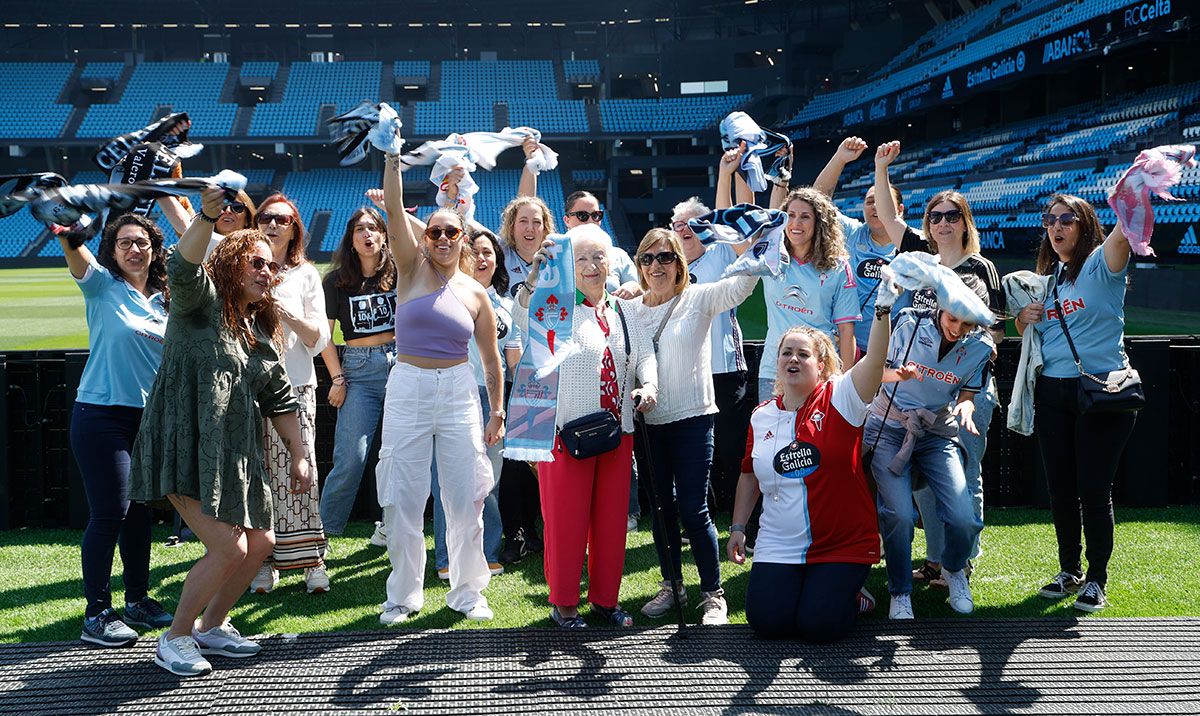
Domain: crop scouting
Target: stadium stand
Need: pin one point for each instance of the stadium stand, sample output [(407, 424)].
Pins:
[(311, 85), (157, 87), (102, 70), (581, 71), (26, 85), (259, 69), (673, 114)]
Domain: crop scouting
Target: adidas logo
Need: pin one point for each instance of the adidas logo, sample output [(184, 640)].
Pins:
[(1189, 245), (947, 89), (770, 434)]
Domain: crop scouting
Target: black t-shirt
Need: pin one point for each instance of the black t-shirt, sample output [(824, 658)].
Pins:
[(361, 313), (972, 265)]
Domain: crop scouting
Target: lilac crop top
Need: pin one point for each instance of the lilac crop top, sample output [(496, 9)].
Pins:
[(436, 325)]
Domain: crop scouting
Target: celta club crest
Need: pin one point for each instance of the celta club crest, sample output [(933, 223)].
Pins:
[(550, 314)]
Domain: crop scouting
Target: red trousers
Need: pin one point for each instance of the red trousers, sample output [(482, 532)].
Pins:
[(583, 505)]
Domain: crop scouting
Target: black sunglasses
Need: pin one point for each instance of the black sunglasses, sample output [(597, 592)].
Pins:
[(434, 233), (259, 263), (236, 207), (664, 258), (280, 219), (953, 216), (1066, 219), (596, 216)]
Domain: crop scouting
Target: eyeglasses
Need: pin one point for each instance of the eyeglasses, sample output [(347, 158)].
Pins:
[(435, 233), (678, 226), (126, 244), (664, 258), (259, 263), (1066, 219), (596, 216), (935, 217), (236, 207), (280, 219)]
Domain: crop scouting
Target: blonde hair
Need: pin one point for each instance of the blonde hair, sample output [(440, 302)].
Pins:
[(970, 233), (671, 239), (828, 242), (827, 355), (508, 219)]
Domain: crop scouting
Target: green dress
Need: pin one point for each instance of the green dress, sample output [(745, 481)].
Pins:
[(202, 431)]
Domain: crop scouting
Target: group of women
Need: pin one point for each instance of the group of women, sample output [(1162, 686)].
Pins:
[(200, 390)]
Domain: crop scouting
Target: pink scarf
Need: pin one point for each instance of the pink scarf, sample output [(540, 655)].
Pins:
[(1154, 171)]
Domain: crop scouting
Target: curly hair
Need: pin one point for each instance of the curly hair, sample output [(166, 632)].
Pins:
[(827, 355), (500, 275), (345, 267), (1091, 235), (508, 219), (671, 239), (829, 244), (226, 268), (970, 239), (106, 254), (295, 248)]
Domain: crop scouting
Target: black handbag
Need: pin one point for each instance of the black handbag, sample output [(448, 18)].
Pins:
[(595, 433), (1118, 391)]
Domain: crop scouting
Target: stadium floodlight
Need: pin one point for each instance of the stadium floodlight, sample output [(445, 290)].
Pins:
[(474, 24), (632, 21), (292, 25), (350, 24), (170, 25), (504, 24), (107, 25), (416, 24)]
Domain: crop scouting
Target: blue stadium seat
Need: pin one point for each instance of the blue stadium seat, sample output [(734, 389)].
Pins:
[(28, 91)]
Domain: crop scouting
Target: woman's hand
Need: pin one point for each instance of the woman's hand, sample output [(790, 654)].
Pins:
[(529, 145), (376, 197), (300, 478), (212, 199), (539, 258), (735, 548), (1032, 313), (908, 372), (850, 149), (337, 394), (965, 412), (629, 291), (731, 160), (887, 153), (495, 430), (645, 397)]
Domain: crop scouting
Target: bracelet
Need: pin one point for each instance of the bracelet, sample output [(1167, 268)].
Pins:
[(205, 217), (883, 311), (502, 414), (737, 527)]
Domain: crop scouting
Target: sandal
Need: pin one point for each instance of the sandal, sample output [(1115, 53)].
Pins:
[(616, 615), (928, 573), (575, 622)]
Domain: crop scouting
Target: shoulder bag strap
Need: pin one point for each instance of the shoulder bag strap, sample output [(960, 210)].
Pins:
[(1063, 322), (663, 325)]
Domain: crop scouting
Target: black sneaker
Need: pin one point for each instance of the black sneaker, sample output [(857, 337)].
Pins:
[(1091, 598), (147, 613), (107, 629), (514, 549), (1063, 584), (533, 542)]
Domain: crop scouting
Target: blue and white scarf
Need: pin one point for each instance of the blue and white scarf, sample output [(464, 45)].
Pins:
[(368, 123), (533, 407), (760, 142), (915, 270), (767, 256)]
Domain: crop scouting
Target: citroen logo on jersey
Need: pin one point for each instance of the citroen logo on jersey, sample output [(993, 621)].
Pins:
[(798, 293)]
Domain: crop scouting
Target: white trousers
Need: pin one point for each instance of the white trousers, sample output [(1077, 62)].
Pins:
[(422, 403)]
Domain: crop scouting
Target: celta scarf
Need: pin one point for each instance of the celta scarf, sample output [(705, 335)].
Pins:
[(767, 256), (111, 154), (17, 190), (533, 407), (368, 124), (915, 270), (1022, 288), (144, 162), (1154, 171), (760, 142), (69, 205)]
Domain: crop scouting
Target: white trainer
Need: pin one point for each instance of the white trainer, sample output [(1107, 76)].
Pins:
[(266, 579), (180, 656), (394, 616), (479, 613), (316, 580), (379, 537), (960, 591), (713, 609), (901, 607), (225, 640)]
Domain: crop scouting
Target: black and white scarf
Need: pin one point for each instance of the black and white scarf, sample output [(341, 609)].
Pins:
[(109, 156)]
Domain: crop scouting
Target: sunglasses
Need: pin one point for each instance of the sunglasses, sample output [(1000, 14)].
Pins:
[(664, 258), (1066, 219), (280, 219), (935, 217), (435, 233), (259, 263), (126, 244), (596, 216), (236, 207)]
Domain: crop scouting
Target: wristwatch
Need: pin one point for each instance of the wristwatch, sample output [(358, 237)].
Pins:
[(502, 414)]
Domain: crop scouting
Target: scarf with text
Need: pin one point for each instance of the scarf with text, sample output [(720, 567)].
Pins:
[(766, 256), (171, 132)]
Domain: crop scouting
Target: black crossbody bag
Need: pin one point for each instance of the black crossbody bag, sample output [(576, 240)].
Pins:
[(599, 432), (1119, 391)]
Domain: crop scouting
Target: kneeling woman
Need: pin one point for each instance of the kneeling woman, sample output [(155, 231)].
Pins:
[(939, 363), (201, 440), (818, 535)]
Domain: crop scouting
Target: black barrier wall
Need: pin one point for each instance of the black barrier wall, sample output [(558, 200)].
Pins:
[(40, 485)]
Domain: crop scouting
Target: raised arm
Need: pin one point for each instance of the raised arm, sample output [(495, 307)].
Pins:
[(404, 244), (885, 203), (1116, 250), (850, 149), (78, 256), (177, 216), (743, 194), (194, 242), (779, 189), (528, 185), (867, 373), (730, 161)]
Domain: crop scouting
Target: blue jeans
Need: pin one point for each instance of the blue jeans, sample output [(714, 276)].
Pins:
[(938, 460), (975, 445), (366, 370), (681, 453), (493, 531)]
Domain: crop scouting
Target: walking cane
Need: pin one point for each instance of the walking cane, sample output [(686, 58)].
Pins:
[(659, 518)]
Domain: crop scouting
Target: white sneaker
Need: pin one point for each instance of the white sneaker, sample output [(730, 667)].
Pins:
[(960, 591), (394, 616), (265, 580), (901, 607), (479, 613), (379, 537), (180, 656), (316, 579), (225, 640), (713, 609), (663, 601)]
